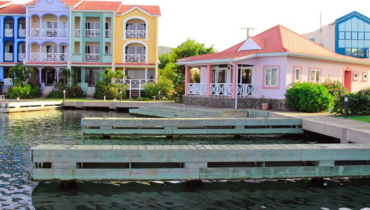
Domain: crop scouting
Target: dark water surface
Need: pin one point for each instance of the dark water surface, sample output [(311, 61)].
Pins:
[(19, 132)]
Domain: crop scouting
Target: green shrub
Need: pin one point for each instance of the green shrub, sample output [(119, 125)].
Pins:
[(163, 85), (309, 97), (110, 91), (35, 92), (74, 92), (21, 92), (34, 83), (196, 77), (55, 94), (143, 99), (358, 103)]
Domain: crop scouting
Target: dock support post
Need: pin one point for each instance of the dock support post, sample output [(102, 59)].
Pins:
[(169, 136), (317, 182), (106, 136), (236, 136), (68, 184)]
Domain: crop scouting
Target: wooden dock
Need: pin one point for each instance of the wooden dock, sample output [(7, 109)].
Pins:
[(190, 126), (198, 162), (9, 107)]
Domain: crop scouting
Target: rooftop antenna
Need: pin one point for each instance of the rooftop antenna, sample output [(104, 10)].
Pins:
[(247, 31)]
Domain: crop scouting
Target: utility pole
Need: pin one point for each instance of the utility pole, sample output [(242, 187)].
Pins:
[(247, 31)]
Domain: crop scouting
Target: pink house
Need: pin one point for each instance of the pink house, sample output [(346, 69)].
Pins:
[(267, 64)]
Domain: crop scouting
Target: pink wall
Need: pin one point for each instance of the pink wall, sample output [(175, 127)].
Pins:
[(334, 69)]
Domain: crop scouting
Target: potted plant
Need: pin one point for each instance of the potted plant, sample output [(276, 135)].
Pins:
[(264, 102)]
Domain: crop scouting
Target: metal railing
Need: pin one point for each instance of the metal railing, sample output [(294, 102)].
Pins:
[(8, 56), (21, 56), (135, 58), (8, 32), (197, 88), (140, 34), (22, 32), (108, 33), (77, 32), (93, 33), (49, 32), (92, 57)]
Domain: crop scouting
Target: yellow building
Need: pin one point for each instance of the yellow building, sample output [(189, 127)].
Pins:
[(136, 45)]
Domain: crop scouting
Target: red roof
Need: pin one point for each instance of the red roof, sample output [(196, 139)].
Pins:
[(13, 9), (99, 5), (153, 10), (135, 64), (2, 3), (66, 2), (275, 40)]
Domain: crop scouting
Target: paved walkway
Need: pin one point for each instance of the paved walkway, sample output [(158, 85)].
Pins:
[(344, 129)]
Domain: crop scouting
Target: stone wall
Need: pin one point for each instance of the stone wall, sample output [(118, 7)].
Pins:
[(228, 102)]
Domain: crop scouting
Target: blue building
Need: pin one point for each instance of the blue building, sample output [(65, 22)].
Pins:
[(12, 36), (348, 35)]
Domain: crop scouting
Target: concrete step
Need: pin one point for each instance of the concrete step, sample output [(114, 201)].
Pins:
[(46, 91), (90, 92)]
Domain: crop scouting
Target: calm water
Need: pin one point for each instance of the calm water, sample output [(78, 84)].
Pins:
[(19, 132)]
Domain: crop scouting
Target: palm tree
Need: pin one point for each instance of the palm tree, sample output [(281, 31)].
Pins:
[(108, 75), (66, 73), (20, 74)]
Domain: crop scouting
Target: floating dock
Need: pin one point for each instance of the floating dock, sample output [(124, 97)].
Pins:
[(190, 126), (198, 162), (9, 107)]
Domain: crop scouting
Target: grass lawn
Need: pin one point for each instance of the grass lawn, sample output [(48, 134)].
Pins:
[(362, 118), (95, 100)]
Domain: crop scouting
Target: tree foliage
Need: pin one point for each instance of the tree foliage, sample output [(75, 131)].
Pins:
[(108, 75), (164, 59), (65, 73), (20, 74)]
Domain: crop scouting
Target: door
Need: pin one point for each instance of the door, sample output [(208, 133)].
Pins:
[(91, 77), (348, 80), (245, 82), (48, 76)]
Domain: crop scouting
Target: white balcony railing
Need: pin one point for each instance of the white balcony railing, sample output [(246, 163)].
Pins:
[(92, 32), (35, 32), (197, 88), (221, 89), (140, 34), (92, 57), (135, 58), (21, 56), (77, 32), (136, 84), (8, 56), (108, 33), (49, 32), (8, 32), (22, 32), (63, 32), (49, 56)]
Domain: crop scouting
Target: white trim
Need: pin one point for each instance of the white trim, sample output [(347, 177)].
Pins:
[(315, 79), (250, 44), (49, 65), (295, 74), (136, 7), (132, 42), (271, 76), (5, 5), (91, 66), (246, 68), (133, 66), (140, 18)]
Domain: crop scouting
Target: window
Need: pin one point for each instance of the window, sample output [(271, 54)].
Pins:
[(135, 26), (355, 76), (92, 49), (297, 74), (315, 75), (365, 77), (271, 76), (135, 50)]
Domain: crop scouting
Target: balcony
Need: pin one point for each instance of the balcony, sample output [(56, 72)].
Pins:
[(22, 32), (108, 33), (21, 56), (49, 56), (92, 57), (49, 32), (220, 89), (8, 56), (92, 33), (135, 84), (135, 58), (77, 32), (139, 34), (8, 32)]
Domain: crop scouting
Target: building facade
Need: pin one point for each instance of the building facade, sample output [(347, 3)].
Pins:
[(266, 65), (49, 35), (12, 38), (348, 35)]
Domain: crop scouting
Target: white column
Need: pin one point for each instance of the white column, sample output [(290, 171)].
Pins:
[(40, 52), (58, 51), (58, 35), (146, 74), (57, 72), (40, 26), (40, 73)]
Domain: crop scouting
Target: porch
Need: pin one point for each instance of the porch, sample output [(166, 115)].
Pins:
[(220, 81)]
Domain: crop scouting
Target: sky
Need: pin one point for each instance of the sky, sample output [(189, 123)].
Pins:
[(218, 23)]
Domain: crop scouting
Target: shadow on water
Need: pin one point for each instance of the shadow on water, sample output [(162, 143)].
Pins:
[(231, 195)]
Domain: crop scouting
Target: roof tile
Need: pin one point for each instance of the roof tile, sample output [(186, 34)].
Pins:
[(2, 3), (13, 9), (66, 2), (99, 5), (153, 10)]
